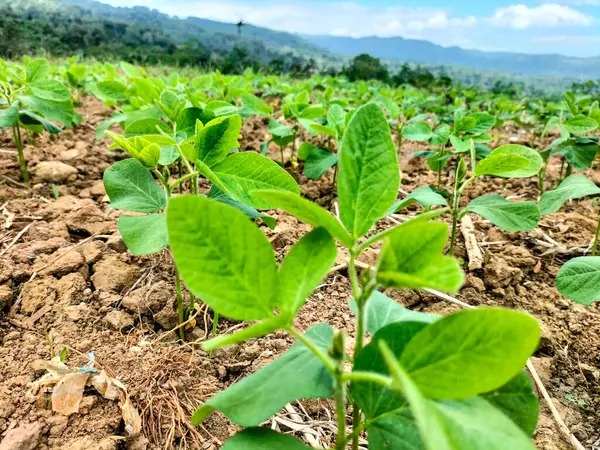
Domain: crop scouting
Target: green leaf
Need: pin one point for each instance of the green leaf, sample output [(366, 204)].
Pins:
[(470, 352), (256, 397), (306, 211), (131, 187), (382, 311), (425, 196), (517, 401), (242, 173), (509, 216), (336, 118), (440, 135), (579, 279), (373, 398), (581, 125), (411, 258), (428, 422), (580, 156), (51, 90), (217, 138), (572, 187), (217, 194), (254, 106), (303, 268), (369, 176), (318, 162), (419, 131), (111, 90), (485, 122), (28, 117), (202, 82), (144, 235), (146, 126), (9, 116), (223, 257), (312, 112), (263, 439), (501, 165), (37, 70), (514, 150), (466, 124), (328, 131)]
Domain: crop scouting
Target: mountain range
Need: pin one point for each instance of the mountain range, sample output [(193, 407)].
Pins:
[(327, 51)]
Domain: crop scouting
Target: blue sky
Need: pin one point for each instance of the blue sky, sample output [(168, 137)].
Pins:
[(569, 27)]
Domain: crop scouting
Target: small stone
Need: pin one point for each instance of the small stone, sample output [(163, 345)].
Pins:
[(118, 320), (87, 403), (7, 408), (252, 350), (116, 243), (112, 274), (68, 155), (25, 437), (6, 297), (92, 251), (61, 263), (475, 282), (54, 172), (97, 190), (37, 293), (71, 288), (39, 365), (76, 313), (11, 336), (546, 339), (139, 442), (58, 424), (167, 317)]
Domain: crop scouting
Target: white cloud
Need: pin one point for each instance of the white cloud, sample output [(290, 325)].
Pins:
[(317, 17), (546, 15)]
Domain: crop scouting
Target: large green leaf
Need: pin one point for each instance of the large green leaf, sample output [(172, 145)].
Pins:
[(419, 131), (306, 211), (485, 122), (9, 116), (217, 139), (581, 125), (295, 375), (579, 279), (572, 187), (303, 268), (336, 118), (131, 187), (111, 90), (501, 165), (318, 162), (382, 311), (429, 424), (517, 400), (242, 173), (263, 439), (62, 112), (144, 235), (37, 70), (412, 258), (51, 90), (369, 176), (470, 352), (510, 216), (223, 257), (373, 398), (580, 156), (146, 126), (514, 150)]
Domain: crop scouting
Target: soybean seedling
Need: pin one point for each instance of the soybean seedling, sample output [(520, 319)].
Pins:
[(423, 381)]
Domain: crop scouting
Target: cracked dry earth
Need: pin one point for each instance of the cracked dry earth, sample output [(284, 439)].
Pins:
[(68, 278)]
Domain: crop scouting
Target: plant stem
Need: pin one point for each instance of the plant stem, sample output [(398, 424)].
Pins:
[(541, 177), (19, 144), (595, 245), (340, 406), (371, 377), (455, 201), (180, 312), (282, 158), (325, 359)]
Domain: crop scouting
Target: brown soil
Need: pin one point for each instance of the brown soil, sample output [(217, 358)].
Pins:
[(69, 276)]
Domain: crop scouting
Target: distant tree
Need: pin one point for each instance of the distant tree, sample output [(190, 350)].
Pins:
[(239, 26), (366, 67)]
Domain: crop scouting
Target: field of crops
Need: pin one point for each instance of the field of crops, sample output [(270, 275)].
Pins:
[(186, 257)]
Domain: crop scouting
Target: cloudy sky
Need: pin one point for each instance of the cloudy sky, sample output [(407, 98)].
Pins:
[(570, 27)]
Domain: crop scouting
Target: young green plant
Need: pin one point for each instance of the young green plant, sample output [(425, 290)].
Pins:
[(422, 381)]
